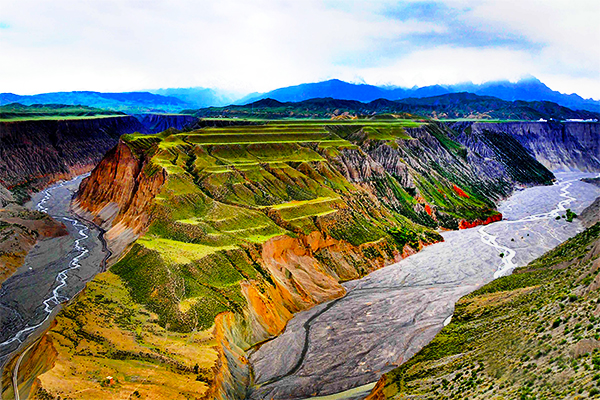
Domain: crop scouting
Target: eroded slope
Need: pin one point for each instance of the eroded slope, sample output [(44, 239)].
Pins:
[(36, 152)]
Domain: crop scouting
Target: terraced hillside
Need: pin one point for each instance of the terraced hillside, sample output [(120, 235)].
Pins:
[(226, 232), (531, 335)]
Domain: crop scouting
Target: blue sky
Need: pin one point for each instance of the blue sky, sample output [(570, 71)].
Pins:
[(459, 29), (259, 45)]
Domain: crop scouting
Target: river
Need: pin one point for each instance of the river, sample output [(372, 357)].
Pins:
[(53, 272), (342, 347)]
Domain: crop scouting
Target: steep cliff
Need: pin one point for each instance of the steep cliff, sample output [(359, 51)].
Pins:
[(161, 122), (36, 152), (219, 235), (117, 196), (562, 146), (533, 334)]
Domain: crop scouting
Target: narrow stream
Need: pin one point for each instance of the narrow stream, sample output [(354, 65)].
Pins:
[(342, 347), (508, 254), (54, 271)]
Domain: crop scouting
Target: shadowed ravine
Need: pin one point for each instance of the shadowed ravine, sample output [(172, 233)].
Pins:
[(389, 315), (53, 272)]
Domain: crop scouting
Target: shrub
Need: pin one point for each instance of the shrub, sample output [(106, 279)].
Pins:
[(556, 322)]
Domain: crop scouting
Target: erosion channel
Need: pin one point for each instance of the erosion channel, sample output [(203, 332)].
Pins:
[(54, 271), (343, 346)]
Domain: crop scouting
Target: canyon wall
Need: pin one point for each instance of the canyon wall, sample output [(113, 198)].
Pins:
[(6, 196), (34, 153), (161, 122), (591, 215), (20, 228), (561, 146)]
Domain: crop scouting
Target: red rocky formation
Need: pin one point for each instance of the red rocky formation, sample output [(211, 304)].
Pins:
[(464, 224)]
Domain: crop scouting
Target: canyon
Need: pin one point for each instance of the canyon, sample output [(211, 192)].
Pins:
[(390, 314), (39, 151), (568, 146), (220, 235), (55, 269)]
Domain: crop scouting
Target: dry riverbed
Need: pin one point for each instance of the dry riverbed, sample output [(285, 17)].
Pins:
[(389, 315), (54, 271)]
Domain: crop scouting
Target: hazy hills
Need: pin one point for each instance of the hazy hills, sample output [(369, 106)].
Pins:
[(446, 106), (198, 96), (127, 101), (16, 111), (530, 89), (177, 99)]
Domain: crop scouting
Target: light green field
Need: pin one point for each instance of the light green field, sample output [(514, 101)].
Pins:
[(58, 117)]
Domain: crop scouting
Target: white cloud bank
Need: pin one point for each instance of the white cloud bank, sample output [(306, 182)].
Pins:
[(259, 45)]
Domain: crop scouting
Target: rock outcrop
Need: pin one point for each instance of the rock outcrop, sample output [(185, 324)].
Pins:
[(117, 196), (591, 215), (471, 224), (6, 196), (20, 228)]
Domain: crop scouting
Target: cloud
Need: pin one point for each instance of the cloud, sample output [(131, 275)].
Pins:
[(258, 45), (457, 27)]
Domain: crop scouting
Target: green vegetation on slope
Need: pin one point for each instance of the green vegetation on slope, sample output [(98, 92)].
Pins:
[(447, 106), (531, 335), (19, 112), (233, 188), (244, 225)]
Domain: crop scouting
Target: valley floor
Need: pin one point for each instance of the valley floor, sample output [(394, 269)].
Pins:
[(54, 271), (389, 315)]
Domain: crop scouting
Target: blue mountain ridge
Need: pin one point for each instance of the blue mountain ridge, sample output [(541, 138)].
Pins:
[(529, 89), (178, 99)]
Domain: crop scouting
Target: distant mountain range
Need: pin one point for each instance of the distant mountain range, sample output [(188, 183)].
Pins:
[(530, 89), (446, 106), (130, 102), (176, 100)]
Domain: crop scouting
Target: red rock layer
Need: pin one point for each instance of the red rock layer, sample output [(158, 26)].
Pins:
[(21, 229), (464, 224), (460, 192), (118, 195)]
